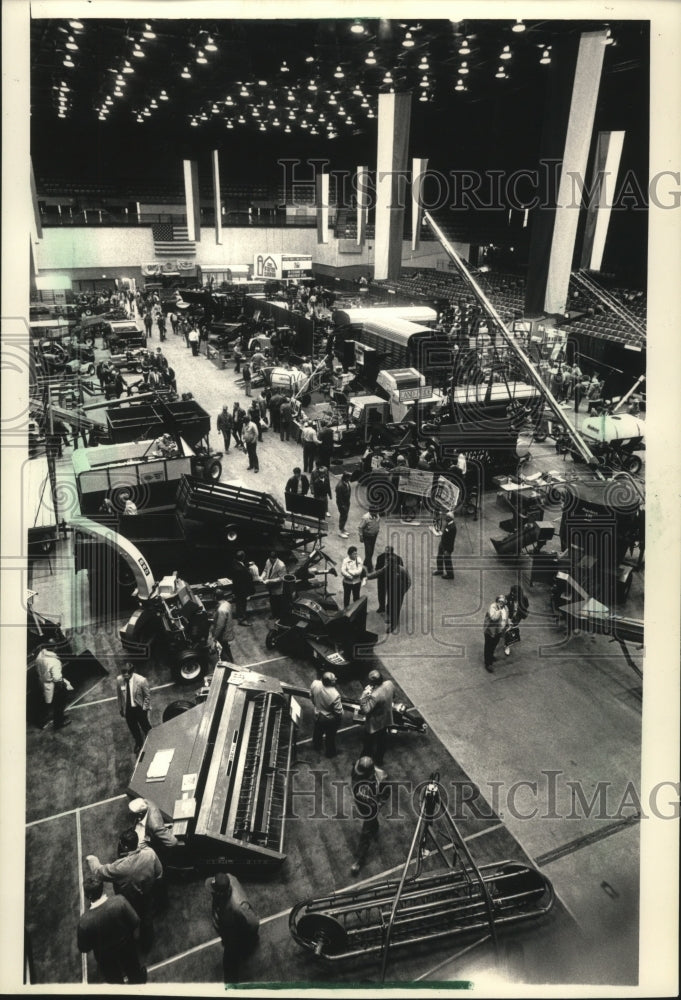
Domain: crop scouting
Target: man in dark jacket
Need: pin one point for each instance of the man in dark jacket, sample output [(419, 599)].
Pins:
[(275, 403), (225, 422), (319, 481), (385, 569), (285, 420), (343, 495), (298, 484), (235, 921), (445, 566), (376, 703), (242, 586), (325, 444), (368, 791), (107, 929)]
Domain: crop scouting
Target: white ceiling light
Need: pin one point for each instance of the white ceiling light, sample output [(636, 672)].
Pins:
[(163, 96), (506, 54), (500, 73), (127, 68), (185, 74), (408, 42), (463, 68), (370, 59), (339, 74), (68, 61), (465, 48), (200, 57), (357, 28), (148, 32), (459, 85), (71, 44), (76, 25), (519, 25), (284, 67), (210, 45), (545, 58), (424, 82), (137, 51)]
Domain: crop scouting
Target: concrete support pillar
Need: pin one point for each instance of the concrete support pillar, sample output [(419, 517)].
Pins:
[(217, 198), (394, 113), (602, 194), (191, 197)]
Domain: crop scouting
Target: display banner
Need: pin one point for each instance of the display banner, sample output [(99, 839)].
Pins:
[(394, 112)]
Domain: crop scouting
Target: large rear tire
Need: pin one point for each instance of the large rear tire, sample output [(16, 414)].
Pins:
[(272, 639), (176, 708), (213, 470)]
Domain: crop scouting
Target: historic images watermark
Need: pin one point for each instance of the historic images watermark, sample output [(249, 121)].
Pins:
[(317, 794), (488, 190)]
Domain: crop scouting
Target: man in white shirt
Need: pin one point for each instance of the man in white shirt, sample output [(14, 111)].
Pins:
[(496, 623), (55, 687), (273, 578), (352, 574), (310, 444), (328, 712)]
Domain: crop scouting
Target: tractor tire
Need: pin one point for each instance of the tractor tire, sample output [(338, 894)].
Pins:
[(188, 668), (89, 340), (271, 639), (540, 435), (212, 470), (633, 464), (176, 708)]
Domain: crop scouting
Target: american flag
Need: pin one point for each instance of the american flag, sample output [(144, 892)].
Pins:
[(169, 240)]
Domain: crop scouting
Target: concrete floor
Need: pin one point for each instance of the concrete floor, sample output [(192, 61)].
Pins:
[(557, 710)]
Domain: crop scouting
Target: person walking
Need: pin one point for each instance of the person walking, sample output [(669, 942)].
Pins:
[(343, 496), (445, 567), (254, 414), (276, 399), (107, 928), (285, 420), (222, 629), (238, 355), (325, 447), (161, 320), (397, 584), (352, 574), (194, 340), (376, 704), (147, 323), (518, 609), (242, 586), (225, 423), (238, 418), (235, 921), (369, 527), (246, 376), (369, 791), (310, 443), (328, 712), (320, 485), (495, 625), (272, 576), (250, 437), (55, 687), (134, 702)]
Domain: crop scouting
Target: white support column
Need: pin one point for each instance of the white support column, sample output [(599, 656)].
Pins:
[(394, 111), (418, 170), (603, 182), (217, 199), (362, 185), (322, 206), (191, 197)]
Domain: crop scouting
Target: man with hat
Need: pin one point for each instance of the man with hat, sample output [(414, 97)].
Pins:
[(445, 567), (368, 791), (150, 826), (376, 703), (235, 921), (496, 623), (328, 712)]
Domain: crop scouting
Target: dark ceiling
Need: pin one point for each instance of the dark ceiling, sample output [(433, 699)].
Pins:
[(252, 97)]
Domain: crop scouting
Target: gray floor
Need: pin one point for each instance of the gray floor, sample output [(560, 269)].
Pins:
[(554, 705)]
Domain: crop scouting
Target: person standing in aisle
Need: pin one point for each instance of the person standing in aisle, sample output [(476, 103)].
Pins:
[(369, 527), (238, 417), (328, 713), (246, 376), (310, 444), (272, 576), (254, 414), (445, 567), (242, 586), (235, 921), (518, 609), (134, 702), (250, 436), (320, 485), (352, 574), (224, 424), (368, 791), (495, 625), (276, 399), (285, 420), (107, 929), (298, 484), (238, 356), (222, 629), (376, 704), (384, 574), (325, 444), (147, 323), (54, 686), (343, 496)]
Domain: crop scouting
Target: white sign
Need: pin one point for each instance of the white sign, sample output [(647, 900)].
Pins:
[(274, 266), (416, 392)]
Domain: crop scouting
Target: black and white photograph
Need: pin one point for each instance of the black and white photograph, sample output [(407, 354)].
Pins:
[(333, 657)]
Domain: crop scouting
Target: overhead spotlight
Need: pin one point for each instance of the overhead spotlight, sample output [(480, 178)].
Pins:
[(357, 28), (303, 124), (332, 100), (243, 92), (276, 123), (309, 110), (210, 45), (287, 129), (545, 58), (194, 123), (290, 96), (255, 112), (371, 114), (388, 77), (424, 96), (204, 116), (365, 103), (229, 102), (339, 74), (138, 52), (370, 59), (214, 110), (332, 135), (71, 44), (284, 67), (506, 54), (270, 105), (147, 113), (139, 118), (342, 112), (148, 32), (68, 61), (200, 57), (118, 92), (127, 68), (185, 74), (609, 40), (262, 127), (312, 85), (500, 73), (424, 82), (423, 65), (459, 85), (292, 115), (262, 83), (230, 123), (349, 121), (408, 42), (309, 59), (463, 68), (76, 25), (242, 120), (313, 131), (464, 49), (163, 96), (519, 25), (322, 117)]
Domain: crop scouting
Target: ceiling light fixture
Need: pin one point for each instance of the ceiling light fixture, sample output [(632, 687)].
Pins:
[(200, 57), (71, 44), (137, 51), (365, 103), (332, 99), (185, 74), (194, 123), (500, 73), (423, 97), (127, 68), (370, 59), (465, 48), (545, 58), (163, 96), (287, 129), (229, 102), (357, 28), (459, 85), (463, 68), (230, 123), (506, 54), (424, 82), (423, 65), (609, 40), (388, 77), (408, 42), (210, 44), (312, 85), (148, 32), (519, 25), (68, 61), (339, 74), (76, 25), (284, 67), (262, 83), (309, 59)]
